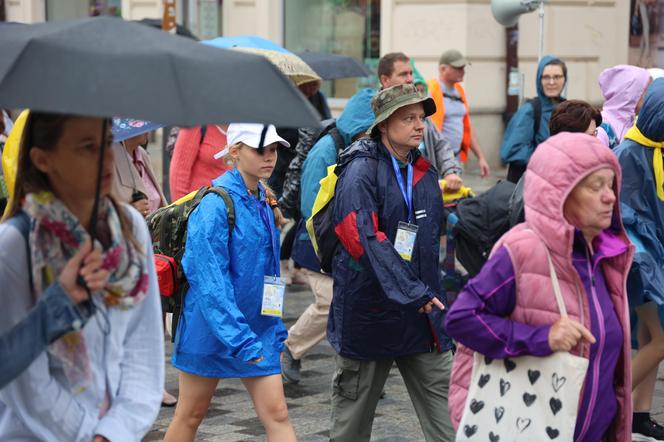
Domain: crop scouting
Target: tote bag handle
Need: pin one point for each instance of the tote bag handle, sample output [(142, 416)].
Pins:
[(556, 285)]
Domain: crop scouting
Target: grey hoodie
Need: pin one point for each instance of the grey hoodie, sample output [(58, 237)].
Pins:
[(439, 152)]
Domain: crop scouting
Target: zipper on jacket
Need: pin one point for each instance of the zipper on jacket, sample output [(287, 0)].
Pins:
[(600, 349)]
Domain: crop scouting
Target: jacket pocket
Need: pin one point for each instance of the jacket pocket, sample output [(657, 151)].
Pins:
[(346, 381)]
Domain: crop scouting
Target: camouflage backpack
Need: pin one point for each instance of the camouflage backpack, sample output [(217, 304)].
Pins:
[(168, 228)]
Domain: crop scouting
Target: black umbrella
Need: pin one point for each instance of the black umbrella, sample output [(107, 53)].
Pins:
[(333, 66), (108, 67), (179, 29)]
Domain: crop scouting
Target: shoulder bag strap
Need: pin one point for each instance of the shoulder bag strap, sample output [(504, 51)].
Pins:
[(556, 286)]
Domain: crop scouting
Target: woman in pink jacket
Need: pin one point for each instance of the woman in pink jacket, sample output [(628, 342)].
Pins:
[(508, 309), (623, 88), (197, 159)]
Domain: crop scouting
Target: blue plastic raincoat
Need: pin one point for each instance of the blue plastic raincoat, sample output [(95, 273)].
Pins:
[(642, 209), (519, 141), (222, 328)]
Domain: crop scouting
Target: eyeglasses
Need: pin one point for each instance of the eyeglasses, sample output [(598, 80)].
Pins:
[(550, 78)]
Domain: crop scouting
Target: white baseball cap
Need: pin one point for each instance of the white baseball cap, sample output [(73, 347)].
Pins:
[(250, 134)]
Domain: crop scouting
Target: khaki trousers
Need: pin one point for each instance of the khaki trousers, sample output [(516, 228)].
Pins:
[(357, 386), (311, 326)]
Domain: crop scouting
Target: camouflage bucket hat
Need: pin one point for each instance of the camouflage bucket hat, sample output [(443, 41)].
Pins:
[(389, 100)]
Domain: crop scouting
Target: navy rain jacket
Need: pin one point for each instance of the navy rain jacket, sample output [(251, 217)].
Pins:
[(376, 293)]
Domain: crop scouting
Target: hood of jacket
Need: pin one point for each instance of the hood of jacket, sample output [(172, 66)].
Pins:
[(651, 117), (556, 167), (357, 115), (367, 147), (546, 60), (622, 86)]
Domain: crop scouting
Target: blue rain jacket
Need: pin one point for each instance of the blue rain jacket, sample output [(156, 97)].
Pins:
[(376, 293), (221, 327), (642, 210), (517, 145), (356, 118)]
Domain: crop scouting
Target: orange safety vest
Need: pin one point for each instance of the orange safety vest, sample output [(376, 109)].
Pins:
[(438, 118)]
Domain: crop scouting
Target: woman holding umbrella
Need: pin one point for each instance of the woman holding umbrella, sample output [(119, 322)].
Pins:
[(105, 381), (102, 382)]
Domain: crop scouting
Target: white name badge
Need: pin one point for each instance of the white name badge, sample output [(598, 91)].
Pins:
[(404, 243), (273, 297)]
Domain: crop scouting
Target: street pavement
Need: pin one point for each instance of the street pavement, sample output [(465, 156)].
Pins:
[(231, 416)]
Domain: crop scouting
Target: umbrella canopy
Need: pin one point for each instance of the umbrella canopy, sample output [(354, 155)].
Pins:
[(246, 41), (105, 66), (125, 128), (333, 66), (179, 29), (289, 64)]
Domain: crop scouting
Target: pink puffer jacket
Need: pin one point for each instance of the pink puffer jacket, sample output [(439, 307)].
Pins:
[(555, 168)]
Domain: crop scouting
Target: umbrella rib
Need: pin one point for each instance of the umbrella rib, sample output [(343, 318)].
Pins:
[(178, 88)]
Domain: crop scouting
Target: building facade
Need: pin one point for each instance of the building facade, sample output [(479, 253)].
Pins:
[(590, 35)]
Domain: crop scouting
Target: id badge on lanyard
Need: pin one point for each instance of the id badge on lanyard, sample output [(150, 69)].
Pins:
[(404, 242), (273, 297), (273, 287)]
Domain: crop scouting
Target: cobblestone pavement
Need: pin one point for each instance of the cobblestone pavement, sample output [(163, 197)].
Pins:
[(231, 416)]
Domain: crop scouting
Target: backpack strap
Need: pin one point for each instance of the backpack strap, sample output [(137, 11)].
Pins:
[(230, 207), (21, 221), (537, 117), (339, 141), (203, 132)]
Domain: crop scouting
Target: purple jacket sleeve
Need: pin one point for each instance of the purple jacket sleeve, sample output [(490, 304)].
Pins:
[(478, 317)]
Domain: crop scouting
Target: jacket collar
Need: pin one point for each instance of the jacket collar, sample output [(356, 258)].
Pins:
[(233, 182)]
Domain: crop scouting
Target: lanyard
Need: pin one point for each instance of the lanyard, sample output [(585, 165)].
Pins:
[(406, 192), (263, 207)]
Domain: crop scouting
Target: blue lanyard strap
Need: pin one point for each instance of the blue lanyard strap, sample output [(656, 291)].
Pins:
[(263, 208), (407, 192)]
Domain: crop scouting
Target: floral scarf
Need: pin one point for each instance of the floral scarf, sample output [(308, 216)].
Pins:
[(55, 237)]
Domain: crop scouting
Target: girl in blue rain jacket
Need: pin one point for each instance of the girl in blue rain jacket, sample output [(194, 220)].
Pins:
[(222, 333)]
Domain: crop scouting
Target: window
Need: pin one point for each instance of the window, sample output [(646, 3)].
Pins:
[(203, 17), (73, 9), (348, 27)]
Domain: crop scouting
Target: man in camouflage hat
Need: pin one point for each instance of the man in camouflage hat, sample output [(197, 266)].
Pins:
[(395, 68), (387, 305)]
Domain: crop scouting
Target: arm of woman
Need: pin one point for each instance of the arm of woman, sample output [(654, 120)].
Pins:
[(53, 316), (478, 317), (517, 141), (182, 163), (37, 401), (135, 407), (209, 278)]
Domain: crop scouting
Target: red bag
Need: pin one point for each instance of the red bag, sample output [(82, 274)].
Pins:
[(167, 271)]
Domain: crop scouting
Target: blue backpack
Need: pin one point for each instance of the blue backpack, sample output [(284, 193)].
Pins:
[(613, 139)]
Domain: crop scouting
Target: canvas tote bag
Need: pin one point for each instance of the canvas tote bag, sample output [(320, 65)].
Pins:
[(526, 398)]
